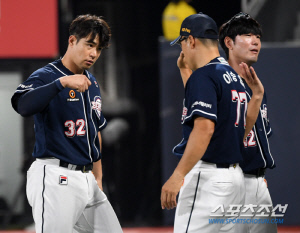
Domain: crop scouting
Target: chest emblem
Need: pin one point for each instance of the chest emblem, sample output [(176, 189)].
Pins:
[(184, 112), (72, 96), (264, 113), (97, 105)]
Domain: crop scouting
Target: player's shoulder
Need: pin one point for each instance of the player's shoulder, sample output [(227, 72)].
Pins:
[(45, 72), (218, 65), (212, 70)]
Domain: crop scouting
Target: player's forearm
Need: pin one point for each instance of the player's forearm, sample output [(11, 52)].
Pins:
[(97, 170), (36, 100), (252, 113), (196, 147)]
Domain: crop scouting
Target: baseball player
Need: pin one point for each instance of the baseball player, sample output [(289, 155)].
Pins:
[(213, 120), (240, 39), (65, 100)]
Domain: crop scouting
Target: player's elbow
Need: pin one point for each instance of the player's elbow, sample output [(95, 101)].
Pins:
[(23, 111)]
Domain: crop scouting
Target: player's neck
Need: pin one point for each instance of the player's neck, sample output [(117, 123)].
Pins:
[(70, 65), (205, 56), (235, 65)]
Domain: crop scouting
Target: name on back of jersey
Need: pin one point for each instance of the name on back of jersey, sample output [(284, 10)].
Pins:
[(230, 77)]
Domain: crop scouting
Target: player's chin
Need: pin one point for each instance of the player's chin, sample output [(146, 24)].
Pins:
[(85, 67), (253, 59)]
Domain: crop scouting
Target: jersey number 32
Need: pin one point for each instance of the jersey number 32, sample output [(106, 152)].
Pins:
[(80, 124)]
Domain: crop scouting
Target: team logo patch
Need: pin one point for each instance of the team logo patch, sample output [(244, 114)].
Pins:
[(222, 60), (72, 95), (184, 113), (97, 105), (63, 180)]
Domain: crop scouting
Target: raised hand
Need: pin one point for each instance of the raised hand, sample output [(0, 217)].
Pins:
[(251, 79), (78, 82)]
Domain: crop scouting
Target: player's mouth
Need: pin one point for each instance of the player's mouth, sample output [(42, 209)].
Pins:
[(254, 51), (89, 62)]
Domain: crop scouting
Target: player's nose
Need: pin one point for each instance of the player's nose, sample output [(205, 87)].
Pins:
[(93, 53), (255, 40)]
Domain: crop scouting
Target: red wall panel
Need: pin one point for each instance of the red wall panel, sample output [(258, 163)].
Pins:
[(28, 29)]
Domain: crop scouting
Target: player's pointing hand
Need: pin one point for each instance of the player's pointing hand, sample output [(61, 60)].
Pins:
[(77, 82)]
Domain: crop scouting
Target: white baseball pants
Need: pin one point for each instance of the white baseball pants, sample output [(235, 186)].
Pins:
[(63, 200), (206, 187)]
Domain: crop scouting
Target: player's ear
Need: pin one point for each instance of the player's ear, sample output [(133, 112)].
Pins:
[(228, 42), (191, 41), (72, 40)]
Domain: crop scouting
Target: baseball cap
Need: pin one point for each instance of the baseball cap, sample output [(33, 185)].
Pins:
[(198, 25)]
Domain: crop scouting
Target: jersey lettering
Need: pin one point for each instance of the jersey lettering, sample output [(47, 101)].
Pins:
[(230, 77), (240, 98), (80, 123)]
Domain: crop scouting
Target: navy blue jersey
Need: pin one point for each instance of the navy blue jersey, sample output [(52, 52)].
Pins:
[(216, 92), (68, 127), (256, 152)]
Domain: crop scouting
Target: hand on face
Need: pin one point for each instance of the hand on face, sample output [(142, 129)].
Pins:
[(181, 62), (77, 82)]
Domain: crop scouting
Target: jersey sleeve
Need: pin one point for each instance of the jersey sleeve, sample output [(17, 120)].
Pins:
[(40, 79), (201, 98), (36, 79)]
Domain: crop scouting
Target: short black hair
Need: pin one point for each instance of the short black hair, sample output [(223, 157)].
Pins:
[(238, 25), (85, 25)]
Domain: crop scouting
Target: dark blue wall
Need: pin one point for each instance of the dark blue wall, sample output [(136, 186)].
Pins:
[(278, 70)]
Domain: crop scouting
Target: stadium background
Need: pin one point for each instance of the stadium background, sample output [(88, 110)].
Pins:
[(142, 99)]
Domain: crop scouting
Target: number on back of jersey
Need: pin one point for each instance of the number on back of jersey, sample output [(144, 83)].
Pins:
[(241, 99), (250, 140)]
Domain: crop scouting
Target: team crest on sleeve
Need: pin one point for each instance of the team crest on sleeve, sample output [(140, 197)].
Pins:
[(184, 113), (97, 105)]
